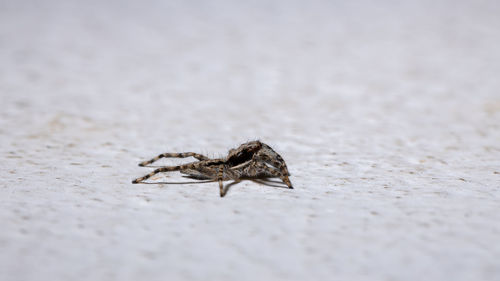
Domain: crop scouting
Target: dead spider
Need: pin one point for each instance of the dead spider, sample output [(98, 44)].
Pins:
[(251, 160)]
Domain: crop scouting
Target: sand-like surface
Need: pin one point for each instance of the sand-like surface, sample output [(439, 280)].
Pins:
[(386, 112)]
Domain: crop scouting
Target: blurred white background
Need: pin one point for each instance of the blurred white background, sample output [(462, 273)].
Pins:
[(387, 113)]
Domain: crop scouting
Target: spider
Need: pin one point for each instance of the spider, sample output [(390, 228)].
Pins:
[(251, 160)]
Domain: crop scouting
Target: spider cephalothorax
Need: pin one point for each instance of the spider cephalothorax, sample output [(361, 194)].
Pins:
[(251, 160)]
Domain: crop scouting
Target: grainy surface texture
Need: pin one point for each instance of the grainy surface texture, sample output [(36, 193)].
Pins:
[(386, 112)]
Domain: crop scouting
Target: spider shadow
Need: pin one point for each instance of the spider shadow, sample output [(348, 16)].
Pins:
[(177, 182), (262, 181), (227, 187), (271, 183)]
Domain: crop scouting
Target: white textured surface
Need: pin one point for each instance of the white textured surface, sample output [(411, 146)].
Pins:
[(387, 113)]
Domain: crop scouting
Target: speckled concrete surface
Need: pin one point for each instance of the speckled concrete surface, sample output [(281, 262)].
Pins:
[(387, 113)]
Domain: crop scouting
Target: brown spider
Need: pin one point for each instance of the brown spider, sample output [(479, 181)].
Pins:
[(251, 160)]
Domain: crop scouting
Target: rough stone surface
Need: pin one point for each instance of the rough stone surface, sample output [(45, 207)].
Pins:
[(387, 113)]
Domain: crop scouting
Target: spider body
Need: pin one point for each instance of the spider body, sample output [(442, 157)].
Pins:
[(251, 160)]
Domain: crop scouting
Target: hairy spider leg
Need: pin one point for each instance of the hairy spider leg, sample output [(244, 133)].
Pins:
[(254, 169), (267, 156), (174, 155), (275, 173), (220, 175), (164, 169), (280, 164)]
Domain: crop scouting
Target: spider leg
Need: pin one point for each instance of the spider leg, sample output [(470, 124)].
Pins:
[(271, 157), (220, 175), (162, 170), (196, 174), (279, 164), (242, 165), (253, 168), (276, 173), (174, 155)]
